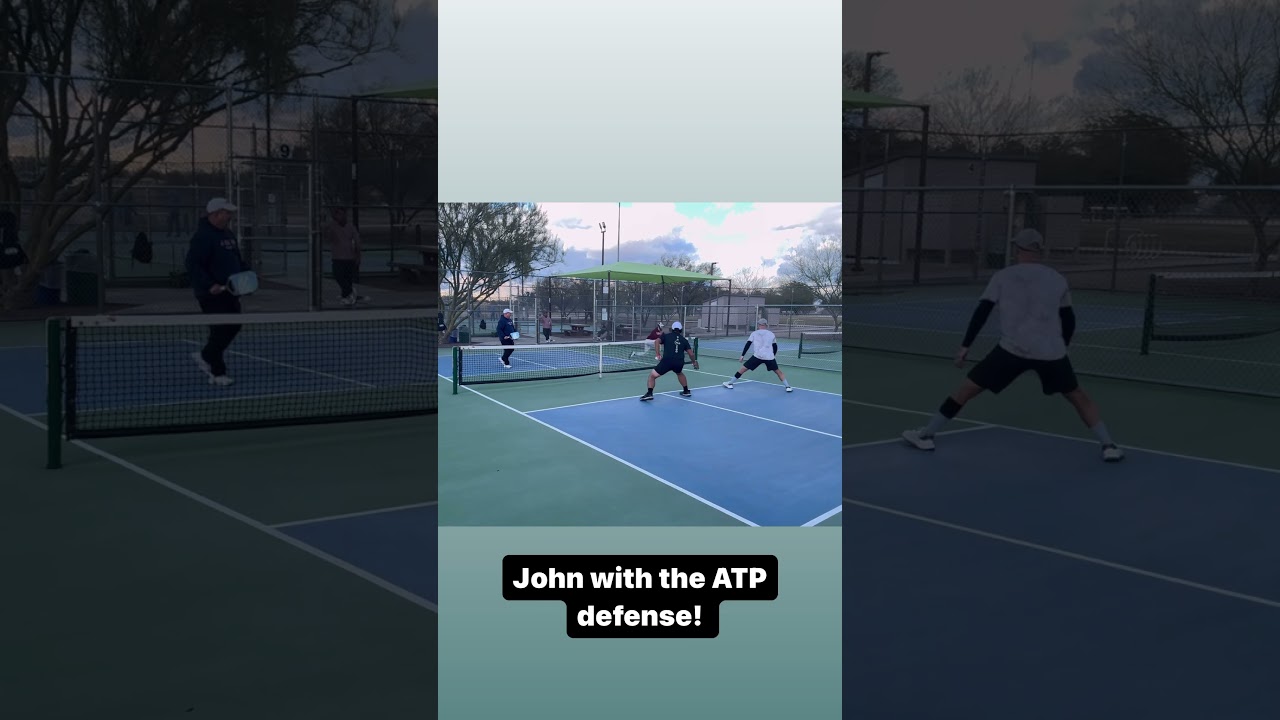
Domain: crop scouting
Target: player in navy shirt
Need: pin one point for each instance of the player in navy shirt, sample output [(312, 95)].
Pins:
[(675, 346)]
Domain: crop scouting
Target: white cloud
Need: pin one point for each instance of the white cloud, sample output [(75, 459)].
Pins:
[(754, 237)]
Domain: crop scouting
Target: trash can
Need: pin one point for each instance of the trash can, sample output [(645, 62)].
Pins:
[(464, 335), (49, 289), (82, 278)]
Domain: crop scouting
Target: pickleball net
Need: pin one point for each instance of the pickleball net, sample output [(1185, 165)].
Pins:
[(1209, 306), (820, 343), (139, 375), (481, 364)]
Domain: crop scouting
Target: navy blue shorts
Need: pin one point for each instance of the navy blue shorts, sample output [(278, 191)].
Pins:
[(1000, 368)]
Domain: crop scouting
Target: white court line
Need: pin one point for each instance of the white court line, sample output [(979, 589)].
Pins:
[(898, 439), (756, 417), (362, 513), (607, 454), (239, 517), (291, 366), (1068, 554), (1059, 436), (821, 518), (797, 389), (617, 399), (673, 393)]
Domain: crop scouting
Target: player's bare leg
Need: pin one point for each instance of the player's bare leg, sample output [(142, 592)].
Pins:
[(742, 370), (783, 378), (923, 437), (684, 383), (1091, 416)]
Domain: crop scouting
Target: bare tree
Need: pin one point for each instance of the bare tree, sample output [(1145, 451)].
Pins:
[(817, 264), (397, 150), (691, 293), (976, 103), (750, 281), (484, 246), (884, 79), (1214, 66), (169, 65)]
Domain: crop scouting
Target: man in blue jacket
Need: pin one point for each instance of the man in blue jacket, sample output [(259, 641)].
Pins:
[(507, 328), (212, 258)]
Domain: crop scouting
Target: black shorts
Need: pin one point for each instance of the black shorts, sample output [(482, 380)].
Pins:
[(665, 366), (754, 362), (1000, 368)]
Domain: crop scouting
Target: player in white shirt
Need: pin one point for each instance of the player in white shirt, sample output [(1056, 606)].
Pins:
[(1036, 325), (764, 351)]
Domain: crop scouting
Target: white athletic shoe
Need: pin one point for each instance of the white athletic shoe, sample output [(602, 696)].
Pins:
[(222, 380), (918, 439), (727, 384), (200, 363), (349, 300), (1111, 453), (788, 388)]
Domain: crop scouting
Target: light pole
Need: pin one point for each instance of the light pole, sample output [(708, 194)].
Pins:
[(862, 158), (603, 283)]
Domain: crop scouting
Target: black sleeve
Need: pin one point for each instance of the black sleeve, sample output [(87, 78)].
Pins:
[(775, 348), (1068, 317), (746, 347), (980, 315)]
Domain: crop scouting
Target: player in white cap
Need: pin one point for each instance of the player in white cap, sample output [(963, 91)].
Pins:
[(764, 351), (1037, 322), (506, 336), (675, 346)]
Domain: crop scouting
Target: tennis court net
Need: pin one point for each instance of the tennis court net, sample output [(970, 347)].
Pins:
[(477, 365), (821, 343), (1207, 306), (141, 375)]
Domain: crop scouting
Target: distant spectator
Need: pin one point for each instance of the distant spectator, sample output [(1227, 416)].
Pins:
[(343, 240)]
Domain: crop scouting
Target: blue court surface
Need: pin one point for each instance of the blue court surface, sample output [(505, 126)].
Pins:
[(766, 456), (753, 455), (375, 543), (1009, 566)]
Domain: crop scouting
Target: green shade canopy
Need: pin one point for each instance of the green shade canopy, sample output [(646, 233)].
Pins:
[(639, 272), (417, 92), (858, 100)]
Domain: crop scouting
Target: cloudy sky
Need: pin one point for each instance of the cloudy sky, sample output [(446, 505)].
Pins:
[(975, 33), (735, 235), (412, 63)]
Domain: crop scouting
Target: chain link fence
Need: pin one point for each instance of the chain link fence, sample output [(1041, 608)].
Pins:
[(1173, 285), (114, 185)]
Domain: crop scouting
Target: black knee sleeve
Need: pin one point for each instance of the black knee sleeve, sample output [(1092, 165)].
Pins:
[(950, 408)]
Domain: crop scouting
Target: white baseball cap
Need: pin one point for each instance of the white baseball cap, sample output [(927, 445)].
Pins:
[(762, 321), (506, 311), (676, 325), (217, 204)]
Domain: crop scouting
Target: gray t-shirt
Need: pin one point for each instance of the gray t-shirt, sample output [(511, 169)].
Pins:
[(1028, 297)]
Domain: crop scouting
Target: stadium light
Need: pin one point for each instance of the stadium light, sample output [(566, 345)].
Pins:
[(602, 243)]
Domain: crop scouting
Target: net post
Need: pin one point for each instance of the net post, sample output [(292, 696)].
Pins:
[(1149, 315), (800, 349), (53, 400), (600, 360), (457, 368)]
